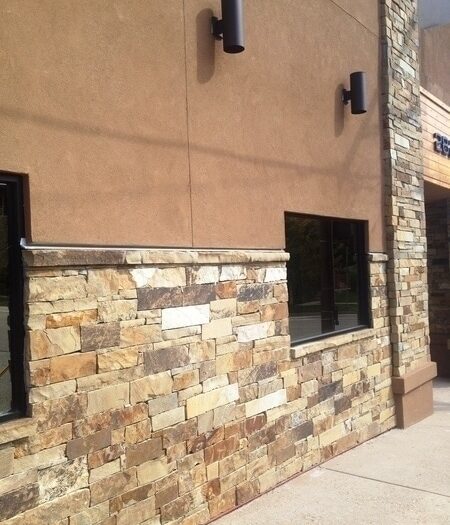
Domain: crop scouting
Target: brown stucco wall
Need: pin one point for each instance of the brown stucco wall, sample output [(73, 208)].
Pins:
[(434, 70), (136, 129)]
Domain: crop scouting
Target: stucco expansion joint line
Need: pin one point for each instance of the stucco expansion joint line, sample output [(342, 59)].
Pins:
[(385, 482)]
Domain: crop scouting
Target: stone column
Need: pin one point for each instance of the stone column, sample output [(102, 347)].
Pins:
[(405, 213)]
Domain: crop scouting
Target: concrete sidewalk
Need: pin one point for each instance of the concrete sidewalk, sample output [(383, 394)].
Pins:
[(401, 477)]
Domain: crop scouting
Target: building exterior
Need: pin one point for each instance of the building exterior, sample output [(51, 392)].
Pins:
[(223, 270)]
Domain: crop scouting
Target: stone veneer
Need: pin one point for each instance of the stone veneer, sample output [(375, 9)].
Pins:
[(404, 202), (163, 389), (438, 235)]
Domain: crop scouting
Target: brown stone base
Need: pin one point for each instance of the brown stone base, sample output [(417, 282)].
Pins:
[(413, 395)]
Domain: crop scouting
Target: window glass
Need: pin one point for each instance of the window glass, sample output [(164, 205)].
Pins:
[(5, 372), (325, 274)]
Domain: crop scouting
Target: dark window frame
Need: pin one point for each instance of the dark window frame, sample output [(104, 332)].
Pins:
[(364, 312), (16, 334)]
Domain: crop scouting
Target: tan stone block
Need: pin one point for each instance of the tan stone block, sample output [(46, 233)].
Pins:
[(192, 391), (55, 391), (223, 308), (118, 310), (91, 516), (262, 404), (139, 335), (151, 386), (223, 503), (6, 461), (138, 432), (72, 366), (202, 351), (185, 379), (62, 479), (112, 486), (374, 370), (103, 282), (45, 458), (208, 401), (233, 361), (118, 359), (335, 433), (350, 378), (56, 288), (54, 342), (138, 513), (212, 470), (107, 398), (217, 328), (152, 470), (169, 418), (215, 382), (71, 319), (108, 469)]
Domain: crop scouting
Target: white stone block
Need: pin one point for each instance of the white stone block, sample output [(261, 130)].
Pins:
[(233, 273), (275, 274), (159, 277), (210, 400), (262, 404), (252, 332), (185, 316), (206, 275)]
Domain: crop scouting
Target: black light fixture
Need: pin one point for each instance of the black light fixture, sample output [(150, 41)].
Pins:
[(357, 93), (231, 28)]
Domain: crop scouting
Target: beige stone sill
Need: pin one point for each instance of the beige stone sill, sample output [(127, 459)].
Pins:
[(16, 429), (334, 341), (39, 257), (377, 257)]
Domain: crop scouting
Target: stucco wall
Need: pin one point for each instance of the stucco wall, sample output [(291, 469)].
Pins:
[(434, 53), (136, 129)]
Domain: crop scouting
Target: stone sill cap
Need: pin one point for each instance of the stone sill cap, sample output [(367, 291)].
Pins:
[(415, 378), (334, 341), (16, 429), (40, 257)]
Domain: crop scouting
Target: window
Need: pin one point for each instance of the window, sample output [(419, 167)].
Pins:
[(327, 276), (12, 388)]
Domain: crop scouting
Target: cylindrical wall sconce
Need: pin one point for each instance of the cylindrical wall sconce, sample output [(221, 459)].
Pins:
[(358, 93), (231, 28)]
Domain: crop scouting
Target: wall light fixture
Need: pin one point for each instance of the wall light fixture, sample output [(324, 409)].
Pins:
[(357, 93), (231, 28)]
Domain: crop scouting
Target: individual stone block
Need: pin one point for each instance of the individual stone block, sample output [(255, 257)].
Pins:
[(208, 401), (139, 335), (56, 288), (255, 331), (54, 342), (335, 433), (165, 359), (155, 298), (204, 274), (104, 471), (215, 382), (141, 512), (107, 398), (186, 379), (159, 277), (233, 361), (233, 273), (185, 316), (223, 308), (198, 294), (275, 274), (329, 390), (254, 292), (152, 470), (182, 432), (82, 317), (92, 515), (82, 446), (169, 418), (145, 451), (217, 328), (62, 479), (151, 386), (265, 403), (114, 485), (118, 310), (162, 404), (103, 282), (95, 337), (226, 290), (118, 359), (18, 501), (71, 366), (55, 391), (6, 461)]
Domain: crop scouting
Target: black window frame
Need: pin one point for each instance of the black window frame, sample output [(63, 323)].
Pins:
[(16, 333), (364, 312)]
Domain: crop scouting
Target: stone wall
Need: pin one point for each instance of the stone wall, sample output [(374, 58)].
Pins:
[(163, 389), (404, 195), (438, 234)]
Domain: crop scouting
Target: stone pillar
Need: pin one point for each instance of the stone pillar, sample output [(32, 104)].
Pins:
[(405, 213)]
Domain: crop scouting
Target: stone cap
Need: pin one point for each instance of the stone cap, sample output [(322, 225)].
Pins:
[(415, 378), (40, 257)]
